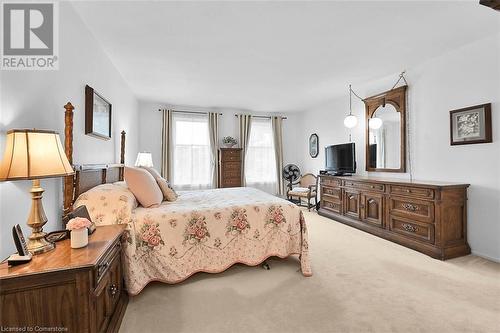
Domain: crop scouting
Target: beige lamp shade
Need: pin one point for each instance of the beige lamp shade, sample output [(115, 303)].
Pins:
[(144, 160), (33, 154)]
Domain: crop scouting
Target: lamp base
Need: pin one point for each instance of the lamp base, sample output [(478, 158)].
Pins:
[(40, 245), (36, 241)]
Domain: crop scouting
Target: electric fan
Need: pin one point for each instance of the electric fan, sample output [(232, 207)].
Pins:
[(291, 172)]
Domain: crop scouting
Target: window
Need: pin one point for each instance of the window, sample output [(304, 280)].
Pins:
[(192, 167), (260, 161)]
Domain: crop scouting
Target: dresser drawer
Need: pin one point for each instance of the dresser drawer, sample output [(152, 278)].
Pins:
[(412, 191), (231, 166), (233, 182), (104, 264), (331, 205), (330, 182), (364, 186), (331, 193), (420, 231), (231, 155), (231, 174), (226, 158), (412, 208)]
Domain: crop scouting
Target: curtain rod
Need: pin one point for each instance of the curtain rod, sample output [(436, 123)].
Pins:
[(268, 117), (185, 111)]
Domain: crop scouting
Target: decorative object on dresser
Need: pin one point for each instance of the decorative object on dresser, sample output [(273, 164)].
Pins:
[(314, 145), (78, 227), (471, 125), (386, 131), (34, 154), (229, 141), (97, 115), (73, 290), (430, 217), (144, 159), (230, 167), (81, 211)]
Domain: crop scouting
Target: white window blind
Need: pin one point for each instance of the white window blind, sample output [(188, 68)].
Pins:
[(260, 162), (191, 153)]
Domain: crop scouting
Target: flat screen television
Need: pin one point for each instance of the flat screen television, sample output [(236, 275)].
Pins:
[(340, 159)]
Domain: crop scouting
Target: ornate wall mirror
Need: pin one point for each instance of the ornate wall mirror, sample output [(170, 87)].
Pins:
[(386, 131)]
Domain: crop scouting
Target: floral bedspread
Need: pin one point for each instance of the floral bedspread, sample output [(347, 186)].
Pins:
[(209, 231), (203, 231)]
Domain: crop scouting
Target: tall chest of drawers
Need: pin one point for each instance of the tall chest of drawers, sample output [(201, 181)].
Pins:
[(430, 217), (230, 160)]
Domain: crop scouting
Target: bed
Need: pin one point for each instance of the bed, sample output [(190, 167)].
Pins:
[(203, 231)]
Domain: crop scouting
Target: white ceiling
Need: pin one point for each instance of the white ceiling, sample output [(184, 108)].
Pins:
[(274, 56)]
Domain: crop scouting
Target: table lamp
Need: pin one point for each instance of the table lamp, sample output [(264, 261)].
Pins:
[(32, 155), (144, 159)]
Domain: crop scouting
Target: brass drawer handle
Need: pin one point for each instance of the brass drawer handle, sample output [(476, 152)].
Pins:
[(409, 207), (113, 290), (409, 227)]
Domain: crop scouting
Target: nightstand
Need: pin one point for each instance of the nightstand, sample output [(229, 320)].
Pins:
[(68, 290)]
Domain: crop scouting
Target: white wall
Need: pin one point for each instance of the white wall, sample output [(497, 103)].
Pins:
[(32, 99), (150, 128), (464, 77)]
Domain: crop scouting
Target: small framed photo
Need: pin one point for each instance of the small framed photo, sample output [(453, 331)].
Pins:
[(471, 125), (97, 115), (314, 145)]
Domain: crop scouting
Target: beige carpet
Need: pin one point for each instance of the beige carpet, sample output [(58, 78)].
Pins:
[(361, 283)]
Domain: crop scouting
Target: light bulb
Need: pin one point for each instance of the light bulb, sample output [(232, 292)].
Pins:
[(350, 121), (375, 123)]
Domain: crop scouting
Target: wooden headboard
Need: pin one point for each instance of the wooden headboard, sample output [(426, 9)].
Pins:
[(86, 176)]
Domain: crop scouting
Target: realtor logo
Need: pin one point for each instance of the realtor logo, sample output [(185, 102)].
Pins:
[(30, 36)]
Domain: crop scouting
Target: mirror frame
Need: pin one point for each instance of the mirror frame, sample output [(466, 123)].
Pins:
[(397, 98)]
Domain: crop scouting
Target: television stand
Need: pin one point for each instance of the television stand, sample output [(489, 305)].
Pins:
[(430, 217)]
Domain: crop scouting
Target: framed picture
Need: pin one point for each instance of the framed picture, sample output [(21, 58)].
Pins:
[(471, 125), (314, 145), (97, 115)]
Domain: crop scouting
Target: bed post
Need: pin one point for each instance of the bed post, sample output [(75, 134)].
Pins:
[(68, 149), (122, 154)]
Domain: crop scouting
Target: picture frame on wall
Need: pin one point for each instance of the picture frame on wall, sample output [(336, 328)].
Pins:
[(471, 125), (314, 145), (97, 115)]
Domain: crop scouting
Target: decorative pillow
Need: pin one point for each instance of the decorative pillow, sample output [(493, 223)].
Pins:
[(167, 190), (108, 204), (144, 187)]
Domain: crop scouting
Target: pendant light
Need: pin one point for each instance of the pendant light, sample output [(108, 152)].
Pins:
[(374, 123), (350, 121)]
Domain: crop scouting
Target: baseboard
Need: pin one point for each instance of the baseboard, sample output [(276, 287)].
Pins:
[(484, 256)]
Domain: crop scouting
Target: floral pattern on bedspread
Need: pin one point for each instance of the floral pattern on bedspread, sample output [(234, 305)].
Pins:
[(108, 204), (209, 231)]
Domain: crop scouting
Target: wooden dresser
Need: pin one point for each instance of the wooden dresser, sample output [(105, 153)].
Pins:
[(429, 217), (230, 167), (67, 290)]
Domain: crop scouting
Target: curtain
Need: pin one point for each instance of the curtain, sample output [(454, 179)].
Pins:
[(245, 121), (213, 132), (260, 161), (192, 157), (277, 126), (166, 145)]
